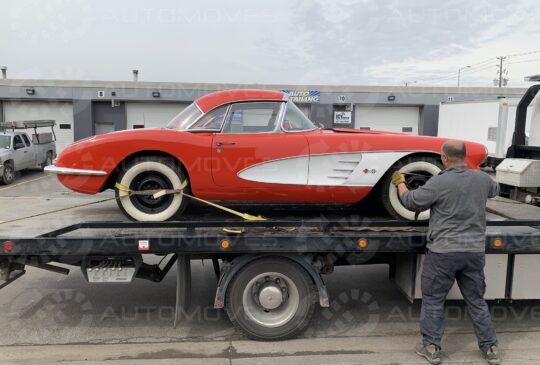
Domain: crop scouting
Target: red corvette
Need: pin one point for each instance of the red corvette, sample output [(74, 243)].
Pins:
[(250, 145)]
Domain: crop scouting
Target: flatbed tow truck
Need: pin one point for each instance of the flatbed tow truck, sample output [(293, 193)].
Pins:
[(271, 274)]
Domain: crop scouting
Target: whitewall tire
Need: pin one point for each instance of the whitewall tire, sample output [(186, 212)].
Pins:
[(420, 167), (151, 173)]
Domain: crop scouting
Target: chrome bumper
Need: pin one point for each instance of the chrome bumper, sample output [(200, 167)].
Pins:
[(69, 171)]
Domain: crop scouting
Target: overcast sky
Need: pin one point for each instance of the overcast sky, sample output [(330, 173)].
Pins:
[(280, 41)]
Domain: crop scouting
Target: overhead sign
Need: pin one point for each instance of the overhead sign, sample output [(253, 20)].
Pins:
[(342, 117), (304, 96)]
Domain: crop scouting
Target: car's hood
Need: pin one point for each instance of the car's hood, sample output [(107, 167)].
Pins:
[(4, 152), (128, 133)]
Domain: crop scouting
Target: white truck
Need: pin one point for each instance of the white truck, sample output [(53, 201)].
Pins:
[(510, 130), (20, 150)]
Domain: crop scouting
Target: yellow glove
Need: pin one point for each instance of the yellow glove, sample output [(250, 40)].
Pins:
[(398, 178)]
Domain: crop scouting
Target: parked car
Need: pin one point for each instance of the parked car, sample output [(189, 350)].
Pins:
[(20, 150), (250, 145)]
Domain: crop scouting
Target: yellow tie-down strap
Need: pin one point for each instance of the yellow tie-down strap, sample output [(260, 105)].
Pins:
[(159, 193)]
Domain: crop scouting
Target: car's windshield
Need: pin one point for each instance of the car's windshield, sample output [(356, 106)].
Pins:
[(186, 117), (296, 120), (5, 142)]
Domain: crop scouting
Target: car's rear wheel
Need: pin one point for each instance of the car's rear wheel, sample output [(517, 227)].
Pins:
[(8, 175), (151, 173), (417, 170)]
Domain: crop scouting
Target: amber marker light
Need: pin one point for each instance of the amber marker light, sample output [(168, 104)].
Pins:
[(497, 243), (362, 243), (225, 244)]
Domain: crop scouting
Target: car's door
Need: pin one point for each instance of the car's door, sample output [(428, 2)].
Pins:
[(30, 155), (252, 149), (20, 153)]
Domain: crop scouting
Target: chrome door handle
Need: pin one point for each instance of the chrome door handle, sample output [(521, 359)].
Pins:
[(219, 144), (25, 151)]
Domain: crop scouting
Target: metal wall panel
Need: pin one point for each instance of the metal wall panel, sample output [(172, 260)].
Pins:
[(526, 277)]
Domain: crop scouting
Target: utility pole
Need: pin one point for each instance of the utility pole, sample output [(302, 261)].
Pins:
[(501, 59), (407, 83)]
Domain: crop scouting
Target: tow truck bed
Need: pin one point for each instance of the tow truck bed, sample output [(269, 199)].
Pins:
[(284, 236)]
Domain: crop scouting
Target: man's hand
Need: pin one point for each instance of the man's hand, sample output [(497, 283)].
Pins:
[(398, 178)]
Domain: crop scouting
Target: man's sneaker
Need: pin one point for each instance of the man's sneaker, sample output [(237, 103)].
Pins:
[(431, 353), (492, 355)]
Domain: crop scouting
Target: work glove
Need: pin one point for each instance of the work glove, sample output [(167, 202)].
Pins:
[(398, 178)]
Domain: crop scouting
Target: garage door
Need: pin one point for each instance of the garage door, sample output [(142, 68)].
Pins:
[(61, 112), (151, 115), (387, 118)]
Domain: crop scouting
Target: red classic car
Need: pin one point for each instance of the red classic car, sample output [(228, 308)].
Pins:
[(250, 145)]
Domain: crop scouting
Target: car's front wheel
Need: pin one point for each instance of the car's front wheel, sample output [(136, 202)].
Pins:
[(151, 173), (8, 175), (417, 171)]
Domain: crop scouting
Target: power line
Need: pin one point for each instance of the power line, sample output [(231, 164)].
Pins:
[(523, 54), (532, 60), (454, 74), (470, 72), (479, 66)]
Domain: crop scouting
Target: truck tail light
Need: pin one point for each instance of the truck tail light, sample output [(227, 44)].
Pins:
[(8, 246)]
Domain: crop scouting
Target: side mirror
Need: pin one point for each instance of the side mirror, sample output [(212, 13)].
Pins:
[(19, 145)]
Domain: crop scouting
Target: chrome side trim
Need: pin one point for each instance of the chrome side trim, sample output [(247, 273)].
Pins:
[(69, 171)]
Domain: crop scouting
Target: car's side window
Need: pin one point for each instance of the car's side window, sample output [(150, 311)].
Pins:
[(253, 117), (17, 140), (212, 120), (26, 140)]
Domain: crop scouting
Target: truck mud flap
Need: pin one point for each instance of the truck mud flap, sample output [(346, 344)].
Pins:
[(9, 272)]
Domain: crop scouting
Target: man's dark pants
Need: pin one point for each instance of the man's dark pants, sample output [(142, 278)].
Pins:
[(439, 273)]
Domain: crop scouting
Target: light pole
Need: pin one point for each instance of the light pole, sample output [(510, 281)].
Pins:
[(459, 73)]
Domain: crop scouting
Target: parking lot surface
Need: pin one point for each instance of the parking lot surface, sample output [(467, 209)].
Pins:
[(50, 318)]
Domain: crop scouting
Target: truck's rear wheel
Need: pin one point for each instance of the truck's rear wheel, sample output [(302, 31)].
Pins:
[(48, 161), (417, 170), (8, 175), (271, 299), (151, 173)]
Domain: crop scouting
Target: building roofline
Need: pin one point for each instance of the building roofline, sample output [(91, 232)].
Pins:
[(225, 86)]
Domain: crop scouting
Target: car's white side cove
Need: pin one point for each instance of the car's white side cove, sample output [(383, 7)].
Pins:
[(335, 169)]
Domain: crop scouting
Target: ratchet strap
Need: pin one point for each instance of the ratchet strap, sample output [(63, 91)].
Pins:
[(161, 192)]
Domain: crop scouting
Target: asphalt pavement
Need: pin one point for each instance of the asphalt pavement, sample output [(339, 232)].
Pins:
[(52, 318)]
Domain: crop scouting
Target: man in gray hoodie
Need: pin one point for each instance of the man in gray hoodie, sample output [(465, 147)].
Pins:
[(456, 248)]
